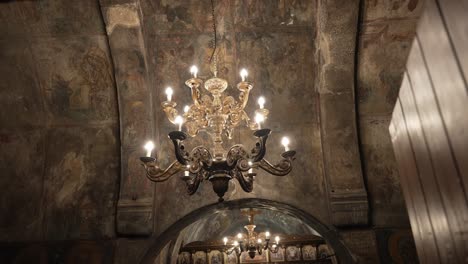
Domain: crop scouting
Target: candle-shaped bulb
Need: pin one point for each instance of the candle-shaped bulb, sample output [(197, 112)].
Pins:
[(149, 146), (277, 239), (186, 172), (236, 243), (285, 143), (239, 236), (259, 118), (225, 240), (267, 234), (179, 120), (244, 74), (261, 102), (259, 241), (194, 71), (169, 93), (250, 165), (186, 108)]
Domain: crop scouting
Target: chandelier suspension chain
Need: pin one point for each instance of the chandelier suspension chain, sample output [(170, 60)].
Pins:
[(215, 39)]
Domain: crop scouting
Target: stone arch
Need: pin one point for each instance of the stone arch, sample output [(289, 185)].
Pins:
[(328, 233)]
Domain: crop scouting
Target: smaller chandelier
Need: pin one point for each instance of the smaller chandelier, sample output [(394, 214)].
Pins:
[(252, 242)]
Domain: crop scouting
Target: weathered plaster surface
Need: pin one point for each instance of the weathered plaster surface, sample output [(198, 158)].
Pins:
[(386, 31), (59, 134)]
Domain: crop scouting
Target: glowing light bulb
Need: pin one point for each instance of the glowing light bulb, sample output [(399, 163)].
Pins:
[(261, 102), (250, 164), (244, 74), (277, 239), (179, 120), (169, 93), (236, 243), (259, 118), (225, 240), (239, 236), (186, 108), (267, 234), (186, 172), (259, 241), (285, 143), (194, 71), (149, 146)]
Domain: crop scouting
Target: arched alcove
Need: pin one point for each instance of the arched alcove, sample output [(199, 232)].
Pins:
[(329, 234)]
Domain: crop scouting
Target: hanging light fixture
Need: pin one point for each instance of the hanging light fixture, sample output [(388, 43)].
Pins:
[(217, 114), (253, 243)]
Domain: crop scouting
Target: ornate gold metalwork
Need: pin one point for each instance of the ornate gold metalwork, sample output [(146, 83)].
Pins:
[(218, 115)]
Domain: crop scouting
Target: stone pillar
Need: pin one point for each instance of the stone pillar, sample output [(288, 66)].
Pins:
[(336, 44), (124, 29)]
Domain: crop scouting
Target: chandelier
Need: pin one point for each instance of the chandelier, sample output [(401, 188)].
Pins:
[(218, 114), (252, 242)]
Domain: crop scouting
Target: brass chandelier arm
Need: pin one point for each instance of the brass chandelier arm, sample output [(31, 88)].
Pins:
[(259, 151), (282, 168), (200, 157), (246, 184), (156, 174), (170, 110), (177, 137), (194, 84), (192, 183)]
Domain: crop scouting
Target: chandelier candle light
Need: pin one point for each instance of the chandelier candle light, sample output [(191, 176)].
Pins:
[(217, 114)]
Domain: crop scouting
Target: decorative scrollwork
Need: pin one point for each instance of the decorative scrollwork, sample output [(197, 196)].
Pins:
[(235, 153), (200, 157), (202, 165)]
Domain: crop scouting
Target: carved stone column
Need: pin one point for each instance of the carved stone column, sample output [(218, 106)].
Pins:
[(124, 29), (336, 41)]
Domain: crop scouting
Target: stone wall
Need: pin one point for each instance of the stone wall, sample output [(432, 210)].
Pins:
[(386, 31), (59, 133)]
